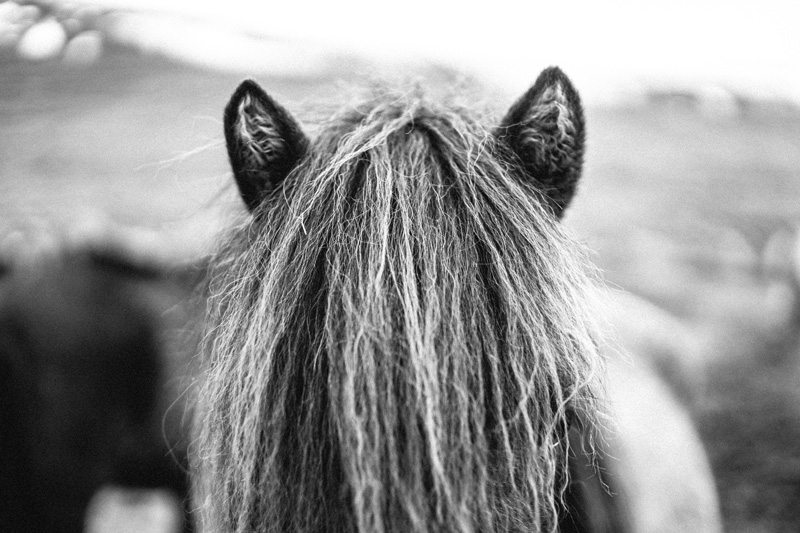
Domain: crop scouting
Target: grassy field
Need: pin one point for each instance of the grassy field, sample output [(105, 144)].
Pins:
[(695, 212)]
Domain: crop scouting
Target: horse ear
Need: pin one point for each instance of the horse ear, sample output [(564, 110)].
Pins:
[(545, 129), (264, 142)]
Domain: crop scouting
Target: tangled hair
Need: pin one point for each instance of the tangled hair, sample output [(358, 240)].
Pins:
[(399, 338)]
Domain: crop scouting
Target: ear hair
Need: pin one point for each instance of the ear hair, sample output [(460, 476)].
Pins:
[(545, 130), (265, 143)]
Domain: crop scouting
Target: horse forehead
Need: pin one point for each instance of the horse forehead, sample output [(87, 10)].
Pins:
[(396, 112)]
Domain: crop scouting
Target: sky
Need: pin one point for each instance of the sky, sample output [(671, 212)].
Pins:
[(606, 47)]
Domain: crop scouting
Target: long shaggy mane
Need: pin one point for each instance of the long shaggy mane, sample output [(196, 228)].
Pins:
[(398, 340)]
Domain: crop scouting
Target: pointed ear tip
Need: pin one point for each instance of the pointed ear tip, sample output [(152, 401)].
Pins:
[(553, 70), (249, 83), (248, 86), (554, 74)]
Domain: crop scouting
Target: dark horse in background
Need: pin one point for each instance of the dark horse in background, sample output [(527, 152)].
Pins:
[(88, 394), (401, 337)]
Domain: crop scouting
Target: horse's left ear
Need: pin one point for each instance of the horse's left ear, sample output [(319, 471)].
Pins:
[(545, 129), (264, 142)]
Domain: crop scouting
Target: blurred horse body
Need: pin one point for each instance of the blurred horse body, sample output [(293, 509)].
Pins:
[(85, 389), (400, 339)]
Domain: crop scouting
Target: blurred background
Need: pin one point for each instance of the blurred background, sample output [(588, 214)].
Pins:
[(110, 128)]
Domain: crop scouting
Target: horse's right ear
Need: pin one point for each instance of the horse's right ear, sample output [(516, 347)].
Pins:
[(264, 142), (545, 129)]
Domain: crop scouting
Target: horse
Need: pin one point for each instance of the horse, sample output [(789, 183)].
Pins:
[(401, 337), (86, 388)]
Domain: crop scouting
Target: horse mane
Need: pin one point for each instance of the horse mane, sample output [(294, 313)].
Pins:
[(399, 338)]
